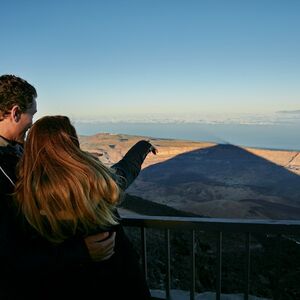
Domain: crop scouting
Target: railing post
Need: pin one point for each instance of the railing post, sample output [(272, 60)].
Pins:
[(168, 275), (193, 270), (247, 269), (144, 251), (219, 265)]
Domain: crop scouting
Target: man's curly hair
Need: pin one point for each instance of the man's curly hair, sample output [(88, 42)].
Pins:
[(15, 91)]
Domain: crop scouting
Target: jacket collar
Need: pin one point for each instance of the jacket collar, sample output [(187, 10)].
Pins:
[(9, 147)]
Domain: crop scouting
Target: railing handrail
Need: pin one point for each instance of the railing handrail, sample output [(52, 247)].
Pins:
[(214, 224)]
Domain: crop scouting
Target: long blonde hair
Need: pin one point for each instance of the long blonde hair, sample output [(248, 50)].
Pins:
[(61, 189)]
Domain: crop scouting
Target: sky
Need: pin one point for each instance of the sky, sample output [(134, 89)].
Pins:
[(124, 57)]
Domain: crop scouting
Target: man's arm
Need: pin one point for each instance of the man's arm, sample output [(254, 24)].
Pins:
[(97, 247), (25, 250), (36, 254), (100, 246)]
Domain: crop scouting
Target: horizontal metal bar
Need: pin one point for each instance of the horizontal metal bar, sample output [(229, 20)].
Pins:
[(214, 224)]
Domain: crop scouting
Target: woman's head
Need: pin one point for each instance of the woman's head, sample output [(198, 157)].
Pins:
[(51, 134), (61, 188)]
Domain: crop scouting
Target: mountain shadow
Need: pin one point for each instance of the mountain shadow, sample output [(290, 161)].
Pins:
[(222, 181)]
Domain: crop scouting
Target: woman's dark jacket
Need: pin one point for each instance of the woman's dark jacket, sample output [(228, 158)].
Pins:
[(42, 270)]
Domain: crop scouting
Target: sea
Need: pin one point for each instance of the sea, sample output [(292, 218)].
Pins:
[(267, 132)]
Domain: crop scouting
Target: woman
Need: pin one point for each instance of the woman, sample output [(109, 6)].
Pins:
[(65, 193)]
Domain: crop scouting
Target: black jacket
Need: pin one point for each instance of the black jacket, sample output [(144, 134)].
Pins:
[(39, 267)]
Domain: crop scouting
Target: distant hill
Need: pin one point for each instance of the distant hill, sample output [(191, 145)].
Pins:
[(217, 180)]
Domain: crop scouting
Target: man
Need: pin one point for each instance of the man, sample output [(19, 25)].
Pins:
[(17, 108)]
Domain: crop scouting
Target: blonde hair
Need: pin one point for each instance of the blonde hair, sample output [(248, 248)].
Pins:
[(61, 189)]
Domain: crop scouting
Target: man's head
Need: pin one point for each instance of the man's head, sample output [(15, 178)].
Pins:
[(17, 107)]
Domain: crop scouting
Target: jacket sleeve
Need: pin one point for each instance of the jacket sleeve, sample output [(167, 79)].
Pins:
[(41, 256), (129, 167)]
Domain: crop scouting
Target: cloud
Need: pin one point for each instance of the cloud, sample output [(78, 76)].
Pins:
[(289, 112)]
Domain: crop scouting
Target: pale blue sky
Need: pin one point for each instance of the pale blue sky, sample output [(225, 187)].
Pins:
[(118, 57)]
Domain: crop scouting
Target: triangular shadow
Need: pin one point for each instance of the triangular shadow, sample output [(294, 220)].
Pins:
[(222, 181)]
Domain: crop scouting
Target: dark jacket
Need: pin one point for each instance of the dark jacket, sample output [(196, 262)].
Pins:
[(41, 269)]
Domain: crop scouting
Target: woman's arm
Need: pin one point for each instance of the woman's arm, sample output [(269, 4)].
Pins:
[(129, 167)]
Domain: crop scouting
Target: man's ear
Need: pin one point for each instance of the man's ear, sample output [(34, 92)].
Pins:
[(15, 113)]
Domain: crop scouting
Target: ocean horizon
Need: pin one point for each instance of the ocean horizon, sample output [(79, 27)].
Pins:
[(276, 136)]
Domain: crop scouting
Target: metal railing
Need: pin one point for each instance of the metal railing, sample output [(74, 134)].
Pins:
[(248, 227)]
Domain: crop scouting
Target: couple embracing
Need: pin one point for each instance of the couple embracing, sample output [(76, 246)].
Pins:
[(60, 232)]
